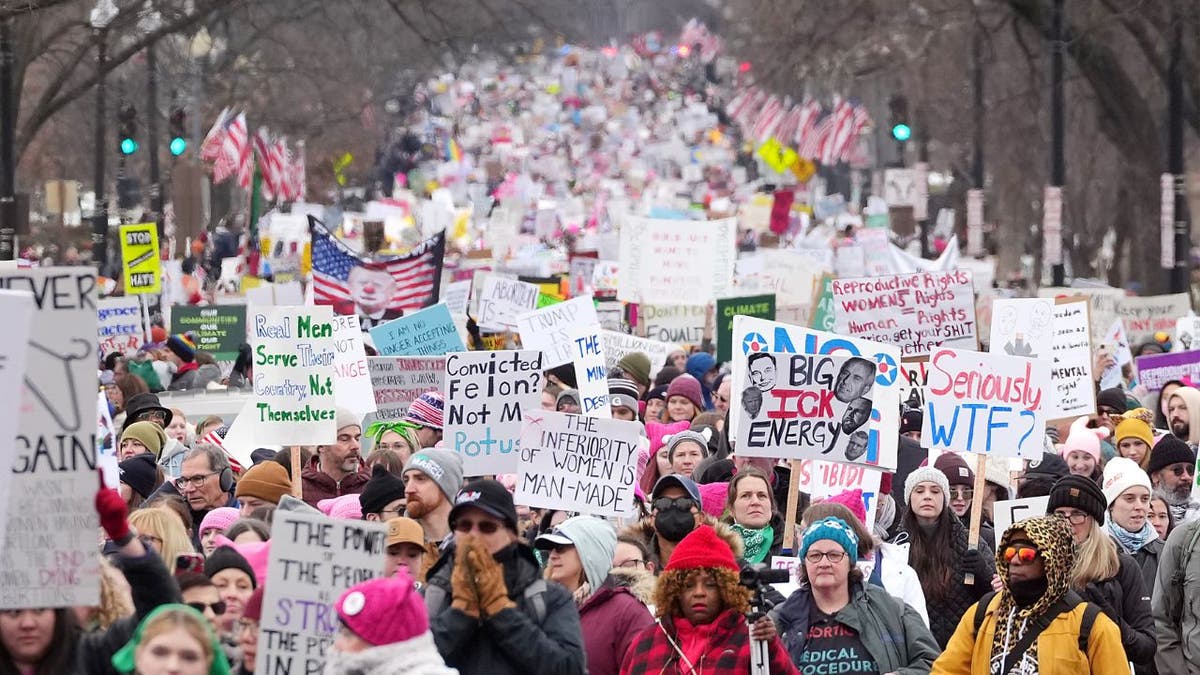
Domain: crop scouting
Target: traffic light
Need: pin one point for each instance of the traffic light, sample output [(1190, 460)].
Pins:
[(127, 129), (178, 122), (901, 130)]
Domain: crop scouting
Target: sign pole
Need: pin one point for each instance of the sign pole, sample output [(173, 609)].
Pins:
[(793, 503), (145, 316), (977, 510)]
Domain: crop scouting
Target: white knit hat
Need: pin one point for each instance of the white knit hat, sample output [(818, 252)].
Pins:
[(926, 474), (1120, 474)]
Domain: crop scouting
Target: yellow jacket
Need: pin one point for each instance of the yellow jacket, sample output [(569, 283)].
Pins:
[(1057, 646)]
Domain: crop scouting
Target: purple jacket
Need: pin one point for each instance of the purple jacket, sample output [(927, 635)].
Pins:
[(612, 617)]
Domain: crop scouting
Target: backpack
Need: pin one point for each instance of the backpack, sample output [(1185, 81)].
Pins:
[(1064, 605)]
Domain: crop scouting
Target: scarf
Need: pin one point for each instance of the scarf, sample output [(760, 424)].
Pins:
[(756, 542), (1132, 542), (582, 593), (416, 656)]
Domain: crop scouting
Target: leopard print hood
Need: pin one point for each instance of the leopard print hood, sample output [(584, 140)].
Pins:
[(1052, 536)]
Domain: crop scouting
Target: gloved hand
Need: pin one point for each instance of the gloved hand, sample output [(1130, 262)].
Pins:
[(972, 562), (462, 580), (489, 580), (114, 514)]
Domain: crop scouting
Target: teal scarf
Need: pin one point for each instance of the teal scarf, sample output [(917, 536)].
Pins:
[(756, 542), (1132, 542)]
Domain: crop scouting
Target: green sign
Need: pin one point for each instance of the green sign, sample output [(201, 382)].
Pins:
[(218, 330), (878, 221), (822, 312), (758, 306)]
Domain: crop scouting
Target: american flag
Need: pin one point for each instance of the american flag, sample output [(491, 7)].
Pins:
[(297, 174), (418, 273), (262, 149), (210, 147), (239, 142), (837, 137), (226, 146), (214, 438)]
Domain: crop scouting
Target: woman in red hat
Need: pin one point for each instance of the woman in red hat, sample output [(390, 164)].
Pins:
[(701, 609)]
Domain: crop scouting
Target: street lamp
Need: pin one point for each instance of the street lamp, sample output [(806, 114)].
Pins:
[(101, 17)]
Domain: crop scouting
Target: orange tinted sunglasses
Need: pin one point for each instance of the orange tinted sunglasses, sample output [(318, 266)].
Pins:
[(1025, 553)]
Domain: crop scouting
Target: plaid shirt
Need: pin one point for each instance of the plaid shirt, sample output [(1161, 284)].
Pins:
[(728, 654)]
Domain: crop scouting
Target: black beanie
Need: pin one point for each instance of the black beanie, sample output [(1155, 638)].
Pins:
[(384, 487), (1167, 451), (1113, 398), (140, 473), (1079, 492), (226, 558), (1050, 465)]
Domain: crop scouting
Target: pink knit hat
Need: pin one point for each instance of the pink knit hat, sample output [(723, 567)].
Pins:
[(853, 500), (346, 507), (1083, 439), (688, 387), (219, 519), (658, 431), (384, 610), (426, 410), (712, 498)]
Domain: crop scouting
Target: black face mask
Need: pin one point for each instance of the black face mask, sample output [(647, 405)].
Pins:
[(1025, 593), (673, 524)]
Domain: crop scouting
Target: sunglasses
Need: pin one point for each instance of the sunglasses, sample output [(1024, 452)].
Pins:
[(1182, 469), (682, 503), (217, 607), (962, 493), (484, 526), (1026, 554)]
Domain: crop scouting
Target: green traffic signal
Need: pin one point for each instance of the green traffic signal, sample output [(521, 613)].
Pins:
[(901, 132), (128, 146), (178, 146)]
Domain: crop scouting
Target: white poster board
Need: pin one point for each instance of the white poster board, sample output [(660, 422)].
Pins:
[(675, 262), (484, 395), (351, 377), (17, 309), (457, 296), (1005, 513), (503, 300), (549, 329), (919, 312), (617, 345), (590, 372), (1041, 328), (678, 324), (119, 327), (826, 479), (397, 381), (294, 354)]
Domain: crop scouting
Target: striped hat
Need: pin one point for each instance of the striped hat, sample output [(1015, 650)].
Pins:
[(182, 347), (426, 410)]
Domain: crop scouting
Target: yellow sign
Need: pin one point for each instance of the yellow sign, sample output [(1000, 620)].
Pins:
[(804, 170), (141, 267)]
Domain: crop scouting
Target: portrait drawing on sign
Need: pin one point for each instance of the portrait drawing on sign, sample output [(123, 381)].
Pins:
[(760, 368)]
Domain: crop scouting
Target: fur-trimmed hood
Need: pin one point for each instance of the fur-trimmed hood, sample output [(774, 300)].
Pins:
[(639, 582)]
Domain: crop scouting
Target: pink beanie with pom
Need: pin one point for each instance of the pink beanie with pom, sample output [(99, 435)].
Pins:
[(712, 498), (1083, 439), (853, 500)]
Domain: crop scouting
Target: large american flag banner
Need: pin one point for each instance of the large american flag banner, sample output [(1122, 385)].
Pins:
[(417, 274)]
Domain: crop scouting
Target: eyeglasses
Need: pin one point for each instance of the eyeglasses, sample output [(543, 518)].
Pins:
[(217, 607), (1181, 469), (485, 527), (1025, 554), (682, 503), (197, 480), (632, 563), (559, 548), (962, 493), (1074, 517), (1104, 411), (834, 557), (398, 446), (151, 415)]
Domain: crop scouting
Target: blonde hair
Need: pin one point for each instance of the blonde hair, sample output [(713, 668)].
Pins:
[(1095, 558), (179, 617), (116, 599), (165, 525)]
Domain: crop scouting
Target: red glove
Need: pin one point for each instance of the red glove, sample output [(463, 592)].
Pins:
[(113, 512)]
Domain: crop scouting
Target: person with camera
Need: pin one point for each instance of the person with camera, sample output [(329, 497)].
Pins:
[(701, 609), (837, 620)]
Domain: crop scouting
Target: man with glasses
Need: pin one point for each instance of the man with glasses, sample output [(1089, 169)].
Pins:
[(146, 408), (1035, 623), (382, 498), (200, 594), (1172, 471), (336, 469), (490, 611), (205, 482)]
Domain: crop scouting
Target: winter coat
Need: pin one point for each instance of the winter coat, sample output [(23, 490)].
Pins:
[(152, 585), (891, 632), (319, 485), (514, 640), (898, 577), (415, 656), (1127, 602), (185, 377), (1057, 646), (1147, 561), (654, 653), (945, 611), (1177, 603), (613, 616)]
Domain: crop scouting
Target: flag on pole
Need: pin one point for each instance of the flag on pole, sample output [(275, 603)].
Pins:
[(210, 147), (262, 151)]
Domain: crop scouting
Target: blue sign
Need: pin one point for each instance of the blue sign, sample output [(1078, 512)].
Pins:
[(429, 332)]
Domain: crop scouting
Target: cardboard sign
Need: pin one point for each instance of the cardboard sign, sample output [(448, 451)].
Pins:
[(314, 559), (985, 403), (17, 309), (580, 273), (119, 325), (49, 553), (294, 354), (429, 332), (761, 306), (485, 393), (751, 335), (1005, 513), (398, 380), (219, 329), (503, 300), (351, 376), (457, 296), (1146, 315), (1155, 370), (680, 324), (617, 345), (1187, 334), (920, 312), (826, 479), (675, 262), (141, 268), (1073, 393), (577, 463), (549, 329), (590, 373), (805, 406)]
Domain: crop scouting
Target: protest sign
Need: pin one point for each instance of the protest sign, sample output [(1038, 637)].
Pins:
[(914, 375), (985, 403), (549, 329), (119, 325), (1155, 370), (428, 332), (920, 312), (1146, 315), (351, 377), (278, 293), (577, 463), (1187, 334), (219, 329), (824, 314), (580, 272), (1071, 377), (503, 300), (1022, 327), (675, 262), (680, 324), (826, 479), (294, 354), (49, 555), (805, 406), (141, 268), (484, 394), (751, 336), (398, 380), (457, 295), (1005, 513), (605, 279), (17, 309), (617, 345), (761, 306), (590, 372), (313, 559), (1102, 303), (611, 314)]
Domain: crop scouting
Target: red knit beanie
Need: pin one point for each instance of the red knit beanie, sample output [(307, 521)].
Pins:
[(384, 610), (702, 548)]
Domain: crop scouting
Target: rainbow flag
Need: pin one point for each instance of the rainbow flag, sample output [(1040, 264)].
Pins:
[(453, 151)]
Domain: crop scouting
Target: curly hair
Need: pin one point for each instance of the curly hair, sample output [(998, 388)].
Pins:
[(672, 584), (116, 601)]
